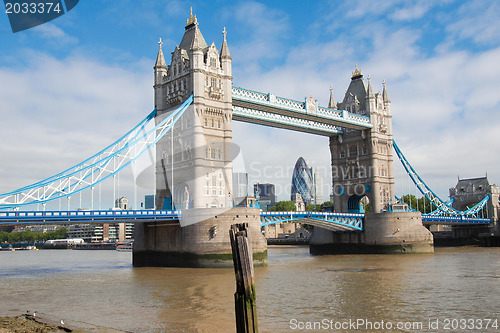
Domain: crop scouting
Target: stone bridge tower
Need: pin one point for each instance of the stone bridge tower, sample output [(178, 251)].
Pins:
[(470, 191), (193, 165), (194, 162), (362, 167), (362, 160)]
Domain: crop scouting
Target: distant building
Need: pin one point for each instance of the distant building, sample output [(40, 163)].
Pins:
[(307, 182), (299, 203), (470, 191), (318, 187), (285, 231), (240, 187), (7, 228), (106, 231), (37, 228), (149, 201), (122, 203), (265, 194), (101, 232)]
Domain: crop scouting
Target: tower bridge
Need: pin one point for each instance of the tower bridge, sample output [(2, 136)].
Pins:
[(271, 110), (195, 104)]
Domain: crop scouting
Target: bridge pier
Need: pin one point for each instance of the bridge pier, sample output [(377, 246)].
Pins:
[(384, 233), (202, 244)]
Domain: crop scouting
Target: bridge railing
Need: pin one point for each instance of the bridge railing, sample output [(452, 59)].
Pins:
[(286, 120), (460, 219), (101, 166), (271, 100), (85, 216), (342, 221)]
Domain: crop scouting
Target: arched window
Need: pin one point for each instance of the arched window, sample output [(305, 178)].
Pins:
[(353, 150)]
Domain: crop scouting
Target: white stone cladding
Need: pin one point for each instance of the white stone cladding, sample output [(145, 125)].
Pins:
[(199, 149), (362, 162)]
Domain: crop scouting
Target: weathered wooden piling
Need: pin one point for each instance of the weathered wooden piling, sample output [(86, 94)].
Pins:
[(244, 297)]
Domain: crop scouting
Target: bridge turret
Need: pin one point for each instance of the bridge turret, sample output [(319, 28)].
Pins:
[(160, 68), (331, 102), (196, 159), (225, 56), (197, 63), (385, 98), (370, 97)]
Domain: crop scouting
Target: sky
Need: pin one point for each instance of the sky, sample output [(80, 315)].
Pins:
[(72, 86)]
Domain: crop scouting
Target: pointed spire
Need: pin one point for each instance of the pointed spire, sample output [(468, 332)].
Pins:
[(370, 93), (385, 95), (331, 103), (224, 50), (160, 59), (195, 43)]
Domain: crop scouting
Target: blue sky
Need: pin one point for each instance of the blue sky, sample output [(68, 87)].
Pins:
[(71, 86)]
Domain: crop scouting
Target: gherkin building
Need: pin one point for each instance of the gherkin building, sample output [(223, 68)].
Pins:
[(303, 181)]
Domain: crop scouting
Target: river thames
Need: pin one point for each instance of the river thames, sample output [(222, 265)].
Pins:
[(452, 290)]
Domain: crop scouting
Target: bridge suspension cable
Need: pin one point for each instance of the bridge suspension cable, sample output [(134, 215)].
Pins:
[(97, 168), (442, 206)]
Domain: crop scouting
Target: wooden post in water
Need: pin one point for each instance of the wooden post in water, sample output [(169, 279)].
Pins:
[(244, 297)]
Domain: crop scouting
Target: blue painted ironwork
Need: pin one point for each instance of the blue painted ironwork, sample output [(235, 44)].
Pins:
[(97, 168), (436, 212), (430, 195), (94, 216), (270, 110), (331, 221), (454, 220)]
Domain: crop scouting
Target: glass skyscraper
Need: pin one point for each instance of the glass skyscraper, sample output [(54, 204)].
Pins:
[(303, 182)]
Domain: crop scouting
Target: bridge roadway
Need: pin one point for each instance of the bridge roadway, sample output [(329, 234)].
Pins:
[(346, 222), (271, 110)]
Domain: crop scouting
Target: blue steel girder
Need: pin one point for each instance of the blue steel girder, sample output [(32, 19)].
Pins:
[(270, 110), (91, 216), (454, 220), (330, 221), (430, 195), (94, 170)]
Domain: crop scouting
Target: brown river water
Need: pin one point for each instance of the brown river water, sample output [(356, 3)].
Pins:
[(452, 290)]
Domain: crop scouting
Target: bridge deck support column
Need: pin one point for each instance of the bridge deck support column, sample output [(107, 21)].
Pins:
[(387, 233), (202, 244)]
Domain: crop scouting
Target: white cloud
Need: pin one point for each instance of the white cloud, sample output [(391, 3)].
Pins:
[(363, 8), (445, 106), (416, 11), (55, 34), (477, 21), (55, 113), (262, 32)]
